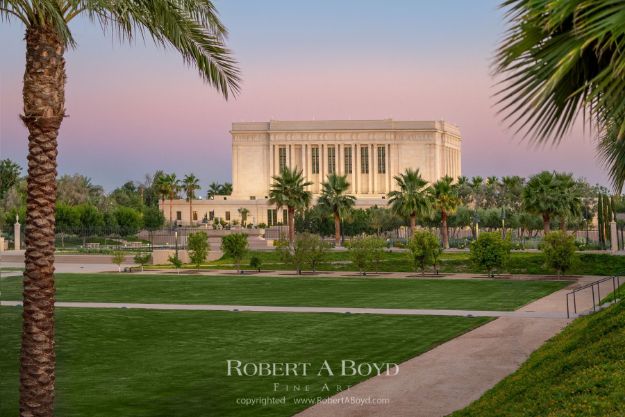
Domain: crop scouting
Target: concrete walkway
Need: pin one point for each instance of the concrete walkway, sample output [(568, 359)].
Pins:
[(279, 309), (454, 374)]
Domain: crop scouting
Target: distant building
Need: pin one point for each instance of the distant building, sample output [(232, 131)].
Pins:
[(369, 152)]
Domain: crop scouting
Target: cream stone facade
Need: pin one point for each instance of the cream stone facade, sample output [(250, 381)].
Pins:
[(369, 152)]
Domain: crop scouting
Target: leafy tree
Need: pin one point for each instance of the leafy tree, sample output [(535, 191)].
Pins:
[(445, 200), (235, 246), (490, 251), (288, 190), (128, 220), (77, 189), (153, 218), (198, 248), (362, 252), (90, 218), (377, 246), (128, 195), (335, 199), (559, 251), (192, 28), (190, 184), (412, 199), (317, 249), (9, 175), (118, 258), (256, 263), (424, 249), (142, 259), (561, 59), (67, 219)]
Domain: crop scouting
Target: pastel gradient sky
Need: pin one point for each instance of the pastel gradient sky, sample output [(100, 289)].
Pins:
[(137, 109)]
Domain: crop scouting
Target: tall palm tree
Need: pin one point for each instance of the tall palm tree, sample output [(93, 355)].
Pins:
[(544, 195), (288, 190), (411, 199), (334, 198), (563, 58), (173, 187), (162, 188), (190, 184), (192, 27), (477, 184), (445, 199), (226, 189)]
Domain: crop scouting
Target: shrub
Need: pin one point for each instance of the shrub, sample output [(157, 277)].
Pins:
[(262, 226), (235, 246), (117, 258), (559, 251), (198, 248), (175, 261), (307, 249), (490, 251), (424, 249), (142, 259), (256, 263)]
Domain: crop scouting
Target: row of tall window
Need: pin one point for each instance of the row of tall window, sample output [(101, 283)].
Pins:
[(364, 159)]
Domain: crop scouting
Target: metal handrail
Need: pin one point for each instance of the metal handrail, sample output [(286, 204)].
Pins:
[(616, 283)]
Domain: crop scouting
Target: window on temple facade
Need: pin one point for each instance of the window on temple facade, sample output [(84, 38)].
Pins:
[(195, 215), (272, 217), (331, 160), (315, 160), (178, 215), (381, 160), (348, 159), (227, 216), (282, 158), (364, 159)]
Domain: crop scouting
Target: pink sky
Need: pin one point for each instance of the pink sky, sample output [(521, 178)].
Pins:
[(137, 109)]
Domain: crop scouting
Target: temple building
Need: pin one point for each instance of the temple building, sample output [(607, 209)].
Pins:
[(369, 152)]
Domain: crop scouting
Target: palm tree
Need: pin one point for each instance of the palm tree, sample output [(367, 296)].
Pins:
[(214, 188), (334, 198), (571, 199), (477, 184), (190, 184), (243, 212), (226, 189), (288, 190), (445, 197), (162, 188), (560, 59), (543, 195), (172, 185), (193, 28), (412, 198)]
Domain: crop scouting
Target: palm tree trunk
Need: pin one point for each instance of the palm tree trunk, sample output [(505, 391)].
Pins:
[(563, 223), (337, 229), (444, 229), (413, 223), (44, 109), (190, 212), (546, 223), (291, 222), (171, 205)]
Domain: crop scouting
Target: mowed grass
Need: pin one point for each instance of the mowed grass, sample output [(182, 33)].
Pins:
[(578, 373), (451, 262), (474, 294), (173, 363)]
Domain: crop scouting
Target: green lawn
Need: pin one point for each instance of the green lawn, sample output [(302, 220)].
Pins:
[(578, 373), (472, 294), (173, 363), (520, 263)]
